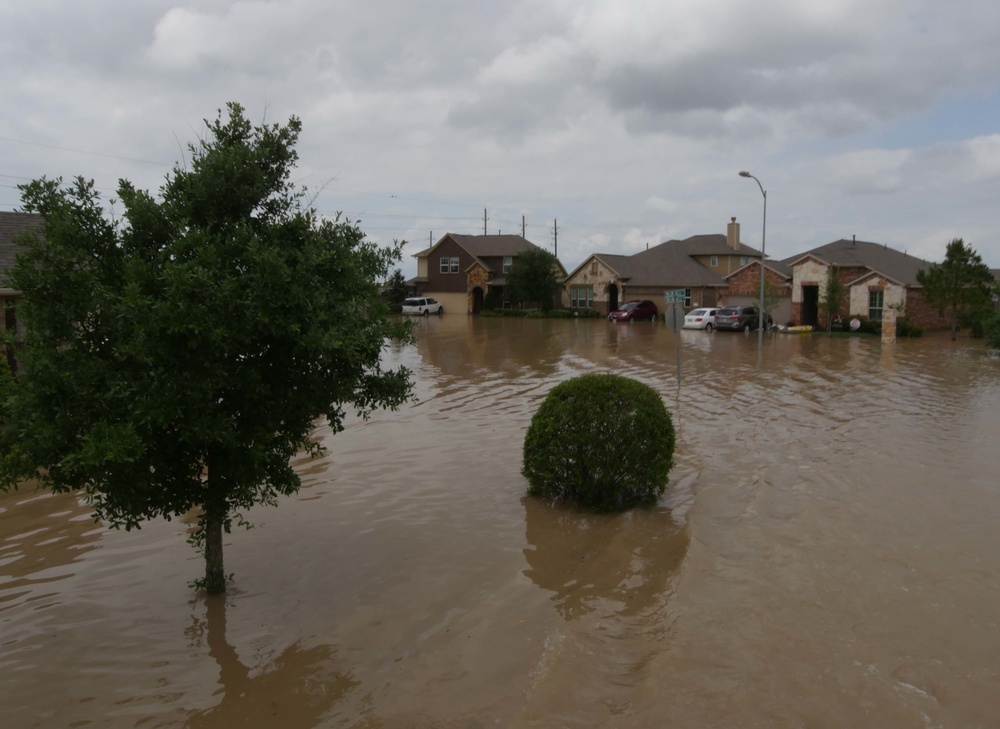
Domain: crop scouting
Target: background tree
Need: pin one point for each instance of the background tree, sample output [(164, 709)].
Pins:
[(991, 330), (176, 359), (772, 297), (534, 278), (834, 293), (962, 285), (396, 290)]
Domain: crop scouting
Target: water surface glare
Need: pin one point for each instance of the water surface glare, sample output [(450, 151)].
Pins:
[(826, 555)]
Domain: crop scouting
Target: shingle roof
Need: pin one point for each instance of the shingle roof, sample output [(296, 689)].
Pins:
[(672, 263), (484, 245), (713, 244), (876, 256), (662, 265)]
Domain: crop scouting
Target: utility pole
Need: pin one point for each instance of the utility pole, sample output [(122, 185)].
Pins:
[(555, 236), (522, 226), (484, 221)]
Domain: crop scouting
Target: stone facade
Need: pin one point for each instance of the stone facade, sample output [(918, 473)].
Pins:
[(597, 275)]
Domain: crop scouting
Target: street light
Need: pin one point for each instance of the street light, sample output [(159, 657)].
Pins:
[(763, 235)]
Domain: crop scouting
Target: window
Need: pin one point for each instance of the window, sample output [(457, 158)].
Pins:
[(876, 297), (454, 264), (449, 265), (444, 264), (744, 260), (508, 263), (715, 261), (687, 297), (581, 297)]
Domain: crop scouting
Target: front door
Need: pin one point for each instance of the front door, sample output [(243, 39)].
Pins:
[(612, 298), (810, 305)]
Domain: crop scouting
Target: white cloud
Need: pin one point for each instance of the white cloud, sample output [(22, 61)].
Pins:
[(626, 121), (869, 171)]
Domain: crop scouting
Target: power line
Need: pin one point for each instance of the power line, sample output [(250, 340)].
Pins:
[(83, 151)]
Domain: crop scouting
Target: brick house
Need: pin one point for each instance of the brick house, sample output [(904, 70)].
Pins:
[(11, 225), (743, 288), (875, 276), (697, 264), (461, 271)]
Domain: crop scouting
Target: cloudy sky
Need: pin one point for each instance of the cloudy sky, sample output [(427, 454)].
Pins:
[(627, 121)]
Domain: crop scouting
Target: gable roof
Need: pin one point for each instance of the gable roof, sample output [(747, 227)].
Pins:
[(713, 244), (672, 262), (779, 267), (878, 257), (12, 224), (487, 246), (483, 246)]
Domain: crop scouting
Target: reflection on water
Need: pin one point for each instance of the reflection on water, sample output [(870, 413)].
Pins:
[(826, 554), (615, 564), (295, 689)]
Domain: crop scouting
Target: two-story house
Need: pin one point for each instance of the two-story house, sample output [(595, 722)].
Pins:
[(460, 271)]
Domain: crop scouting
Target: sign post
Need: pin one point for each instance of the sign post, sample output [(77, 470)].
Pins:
[(674, 319)]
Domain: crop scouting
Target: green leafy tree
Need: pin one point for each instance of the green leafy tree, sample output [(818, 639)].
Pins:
[(534, 278), (834, 293), (177, 358), (396, 291), (962, 285), (991, 329)]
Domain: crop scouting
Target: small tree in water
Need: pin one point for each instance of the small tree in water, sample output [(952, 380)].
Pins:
[(602, 441), (962, 285), (177, 359), (834, 293)]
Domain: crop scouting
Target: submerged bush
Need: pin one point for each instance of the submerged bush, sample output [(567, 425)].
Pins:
[(602, 441), (906, 329)]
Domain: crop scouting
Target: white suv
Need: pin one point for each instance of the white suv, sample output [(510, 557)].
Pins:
[(422, 305)]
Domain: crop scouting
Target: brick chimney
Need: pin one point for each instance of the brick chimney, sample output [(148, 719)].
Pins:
[(733, 234)]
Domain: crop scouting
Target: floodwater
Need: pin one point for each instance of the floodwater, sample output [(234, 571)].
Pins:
[(827, 554)]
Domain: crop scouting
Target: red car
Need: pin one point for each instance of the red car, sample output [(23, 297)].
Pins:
[(635, 311)]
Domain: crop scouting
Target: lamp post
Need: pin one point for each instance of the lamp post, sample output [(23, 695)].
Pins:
[(763, 237)]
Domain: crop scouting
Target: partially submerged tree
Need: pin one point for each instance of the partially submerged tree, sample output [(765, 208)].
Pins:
[(962, 285), (534, 278), (772, 297), (176, 359), (834, 293)]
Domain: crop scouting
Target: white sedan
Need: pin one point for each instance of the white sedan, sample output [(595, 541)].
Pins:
[(701, 319)]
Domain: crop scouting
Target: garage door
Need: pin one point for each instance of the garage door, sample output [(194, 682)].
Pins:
[(781, 314)]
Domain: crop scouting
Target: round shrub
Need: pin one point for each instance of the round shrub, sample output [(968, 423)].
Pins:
[(602, 441)]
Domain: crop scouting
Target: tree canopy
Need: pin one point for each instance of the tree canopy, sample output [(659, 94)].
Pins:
[(177, 357), (962, 285), (534, 278)]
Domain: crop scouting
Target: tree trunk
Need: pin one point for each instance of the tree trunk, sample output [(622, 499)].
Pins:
[(215, 575), (212, 521)]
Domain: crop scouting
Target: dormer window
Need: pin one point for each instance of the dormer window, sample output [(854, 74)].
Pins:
[(715, 261)]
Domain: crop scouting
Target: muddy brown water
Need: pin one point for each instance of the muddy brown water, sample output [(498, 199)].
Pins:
[(827, 555)]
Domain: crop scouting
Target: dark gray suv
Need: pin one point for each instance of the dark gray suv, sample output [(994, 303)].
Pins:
[(737, 318)]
